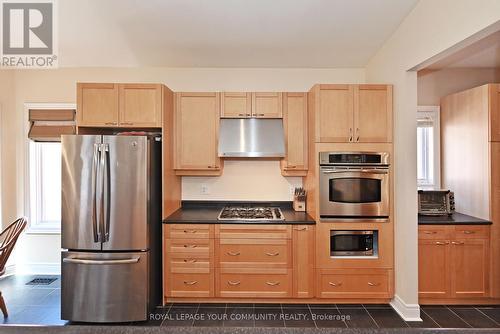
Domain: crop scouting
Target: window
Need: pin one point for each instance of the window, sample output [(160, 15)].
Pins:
[(45, 186), (428, 166), (45, 123)]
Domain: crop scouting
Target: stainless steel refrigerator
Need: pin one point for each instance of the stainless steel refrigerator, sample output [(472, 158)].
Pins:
[(111, 227)]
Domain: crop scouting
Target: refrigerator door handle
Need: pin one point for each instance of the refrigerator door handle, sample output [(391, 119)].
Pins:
[(95, 162), (101, 262), (105, 195)]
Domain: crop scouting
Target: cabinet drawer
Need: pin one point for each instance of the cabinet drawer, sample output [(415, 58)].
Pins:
[(255, 285), (185, 247), (471, 232), (371, 283), (189, 265), (254, 231), (435, 232), (190, 285), (189, 231), (254, 253)]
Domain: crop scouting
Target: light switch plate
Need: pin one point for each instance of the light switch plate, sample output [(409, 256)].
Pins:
[(205, 190)]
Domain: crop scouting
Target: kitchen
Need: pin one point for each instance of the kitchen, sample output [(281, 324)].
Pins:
[(264, 179)]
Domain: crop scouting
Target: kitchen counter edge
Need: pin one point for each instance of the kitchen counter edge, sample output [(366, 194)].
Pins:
[(455, 218)]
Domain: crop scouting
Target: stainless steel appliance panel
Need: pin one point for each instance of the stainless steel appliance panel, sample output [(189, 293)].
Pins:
[(126, 188), (354, 192), (80, 194), (104, 287)]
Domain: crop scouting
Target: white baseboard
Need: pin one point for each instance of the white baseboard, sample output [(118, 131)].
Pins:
[(38, 269), (409, 312)]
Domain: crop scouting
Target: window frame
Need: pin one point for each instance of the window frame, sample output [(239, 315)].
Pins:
[(35, 226), (434, 113)]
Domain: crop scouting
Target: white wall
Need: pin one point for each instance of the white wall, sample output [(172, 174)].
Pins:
[(432, 27), (435, 84), (242, 180)]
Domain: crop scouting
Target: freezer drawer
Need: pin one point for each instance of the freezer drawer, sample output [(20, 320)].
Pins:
[(104, 287)]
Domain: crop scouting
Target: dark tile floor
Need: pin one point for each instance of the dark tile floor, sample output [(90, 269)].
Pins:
[(41, 305)]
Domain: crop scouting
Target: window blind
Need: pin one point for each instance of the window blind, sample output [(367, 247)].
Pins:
[(48, 125)]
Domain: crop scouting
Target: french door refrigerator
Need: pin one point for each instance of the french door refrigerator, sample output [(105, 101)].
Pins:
[(111, 227)]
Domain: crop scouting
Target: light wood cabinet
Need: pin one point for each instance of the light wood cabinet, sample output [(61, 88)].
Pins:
[(453, 263), (494, 112), (372, 114), (97, 104), (295, 162), (236, 105), (140, 105), (196, 120), (119, 105), (267, 105), (354, 283), (352, 113), (303, 240)]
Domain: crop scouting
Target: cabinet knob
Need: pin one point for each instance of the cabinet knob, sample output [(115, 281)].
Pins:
[(430, 232), (373, 284), (190, 231), (457, 243), (190, 260), (440, 243), (335, 284), (469, 232), (189, 246), (233, 282), (233, 253)]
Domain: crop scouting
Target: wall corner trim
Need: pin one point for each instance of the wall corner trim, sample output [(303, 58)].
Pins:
[(409, 312)]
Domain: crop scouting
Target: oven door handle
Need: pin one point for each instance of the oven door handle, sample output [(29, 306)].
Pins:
[(368, 171)]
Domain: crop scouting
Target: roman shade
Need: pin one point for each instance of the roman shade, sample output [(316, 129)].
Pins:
[(49, 124)]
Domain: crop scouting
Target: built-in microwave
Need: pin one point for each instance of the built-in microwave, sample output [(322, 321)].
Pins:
[(354, 185), (353, 243)]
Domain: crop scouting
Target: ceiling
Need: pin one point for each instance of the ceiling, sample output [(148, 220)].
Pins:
[(484, 53), (226, 33)]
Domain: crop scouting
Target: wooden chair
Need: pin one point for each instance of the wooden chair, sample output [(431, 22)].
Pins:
[(8, 239)]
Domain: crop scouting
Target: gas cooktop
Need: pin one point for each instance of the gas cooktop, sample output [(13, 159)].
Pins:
[(251, 213)]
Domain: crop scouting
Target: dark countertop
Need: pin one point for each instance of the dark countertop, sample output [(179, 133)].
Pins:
[(455, 219), (206, 212)]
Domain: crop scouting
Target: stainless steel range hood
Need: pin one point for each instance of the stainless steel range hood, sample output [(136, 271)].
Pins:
[(251, 138)]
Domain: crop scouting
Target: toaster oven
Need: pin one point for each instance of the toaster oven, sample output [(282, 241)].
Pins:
[(436, 202)]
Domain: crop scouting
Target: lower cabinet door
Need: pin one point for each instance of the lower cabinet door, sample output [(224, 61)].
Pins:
[(190, 285), (354, 283), (470, 268), (104, 287), (433, 268), (251, 284)]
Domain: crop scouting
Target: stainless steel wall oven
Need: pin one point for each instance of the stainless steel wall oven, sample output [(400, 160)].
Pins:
[(354, 185)]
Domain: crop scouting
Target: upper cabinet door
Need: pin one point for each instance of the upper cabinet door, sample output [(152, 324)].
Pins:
[(334, 114), (97, 104), (295, 125), (373, 114), (141, 105), (267, 105), (494, 97), (196, 131), (236, 105)]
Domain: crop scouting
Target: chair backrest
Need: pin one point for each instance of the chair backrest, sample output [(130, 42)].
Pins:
[(8, 239)]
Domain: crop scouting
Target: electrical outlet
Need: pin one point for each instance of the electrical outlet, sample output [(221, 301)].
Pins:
[(205, 190)]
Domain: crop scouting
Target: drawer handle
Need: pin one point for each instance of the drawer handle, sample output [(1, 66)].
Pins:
[(469, 232), (300, 228), (430, 232), (190, 260), (189, 246), (273, 254), (249, 114), (233, 282), (190, 231), (291, 166), (260, 114), (127, 123), (457, 242), (190, 282), (335, 284), (241, 114), (233, 253), (273, 283), (373, 284), (440, 243)]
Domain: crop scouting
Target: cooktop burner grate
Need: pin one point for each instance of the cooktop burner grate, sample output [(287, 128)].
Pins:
[(251, 213)]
